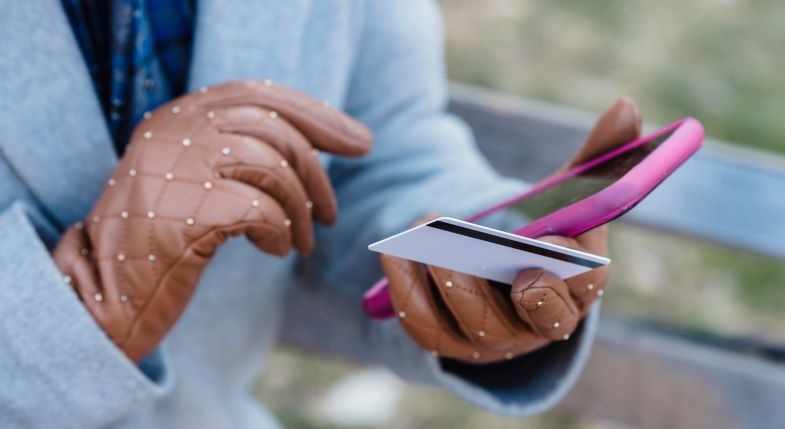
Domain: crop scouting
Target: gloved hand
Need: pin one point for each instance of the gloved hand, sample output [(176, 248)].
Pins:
[(463, 317), (235, 159)]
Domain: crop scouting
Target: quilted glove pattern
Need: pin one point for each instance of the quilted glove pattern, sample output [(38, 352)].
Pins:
[(459, 316), (235, 159)]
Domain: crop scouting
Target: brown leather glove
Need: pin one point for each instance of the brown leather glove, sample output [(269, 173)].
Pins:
[(463, 317), (236, 159)]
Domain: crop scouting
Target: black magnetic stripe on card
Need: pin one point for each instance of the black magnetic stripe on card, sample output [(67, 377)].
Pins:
[(507, 242)]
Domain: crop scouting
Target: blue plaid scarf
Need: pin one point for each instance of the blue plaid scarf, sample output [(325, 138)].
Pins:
[(137, 52)]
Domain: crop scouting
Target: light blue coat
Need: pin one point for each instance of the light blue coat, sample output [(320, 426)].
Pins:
[(381, 61)]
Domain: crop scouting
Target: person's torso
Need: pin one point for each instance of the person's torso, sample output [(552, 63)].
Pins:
[(57, 160)]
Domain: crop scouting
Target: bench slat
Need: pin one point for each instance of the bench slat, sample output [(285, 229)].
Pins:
[(648, 379)]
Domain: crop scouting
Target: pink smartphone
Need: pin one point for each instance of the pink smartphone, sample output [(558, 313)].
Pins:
[(585, 196)]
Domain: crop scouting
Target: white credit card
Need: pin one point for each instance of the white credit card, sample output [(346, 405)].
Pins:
[(484, 252)]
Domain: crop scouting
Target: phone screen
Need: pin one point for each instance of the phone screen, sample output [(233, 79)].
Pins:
[(575, 188)]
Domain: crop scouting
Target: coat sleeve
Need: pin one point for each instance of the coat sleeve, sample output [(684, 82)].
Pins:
[(423, 161), (57, 367)]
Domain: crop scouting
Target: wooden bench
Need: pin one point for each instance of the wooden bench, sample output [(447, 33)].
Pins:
[(641, 374)]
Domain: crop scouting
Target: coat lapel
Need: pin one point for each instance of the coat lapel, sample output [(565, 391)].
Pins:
[(52, 131)]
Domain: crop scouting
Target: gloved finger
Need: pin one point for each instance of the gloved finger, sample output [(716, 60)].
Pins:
[(326, 128), (484, 314), (418, 312), (482, 324), (590, 286), (251, 212), (619, 124), (481, 313), (301, 156), (425, 219), (74, 255), (255, 163), (543, 301), (595, 240), (424, 315), (587, 287), (80, 267)]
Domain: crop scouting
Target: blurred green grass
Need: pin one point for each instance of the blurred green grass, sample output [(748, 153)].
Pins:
[(718, 60)]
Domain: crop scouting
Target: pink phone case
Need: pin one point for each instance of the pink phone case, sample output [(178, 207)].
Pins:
[(593, 211)]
